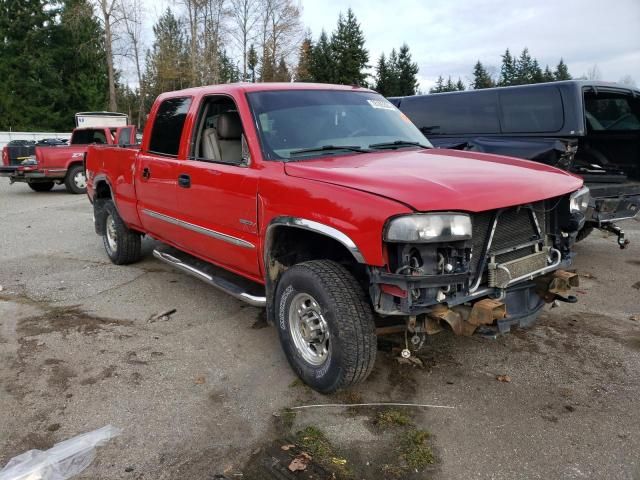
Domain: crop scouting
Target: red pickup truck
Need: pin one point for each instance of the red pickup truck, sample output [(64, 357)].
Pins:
[(327, 206), (47, 165)]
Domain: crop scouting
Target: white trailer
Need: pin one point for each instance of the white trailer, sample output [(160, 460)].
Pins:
[(101, 119)]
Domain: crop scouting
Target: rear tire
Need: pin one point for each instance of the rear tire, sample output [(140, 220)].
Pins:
[(325, 325), (584, 233), (41, 186), (76, 180), (122, 245)]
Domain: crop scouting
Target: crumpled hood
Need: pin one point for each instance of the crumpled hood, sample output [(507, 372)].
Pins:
[(439, 179)]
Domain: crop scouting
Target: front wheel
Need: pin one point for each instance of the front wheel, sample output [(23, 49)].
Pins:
[(325, 325), (122, 245), (76, 180)]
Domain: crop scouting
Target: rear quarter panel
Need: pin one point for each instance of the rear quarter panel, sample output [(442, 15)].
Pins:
[(115, 166)]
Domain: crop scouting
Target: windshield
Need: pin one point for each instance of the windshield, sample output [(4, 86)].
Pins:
[(302, 124)]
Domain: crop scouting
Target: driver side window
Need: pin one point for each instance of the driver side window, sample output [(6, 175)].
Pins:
[(219, 134)]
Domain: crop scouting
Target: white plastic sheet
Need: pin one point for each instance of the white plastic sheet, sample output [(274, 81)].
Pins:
[(60, 462)]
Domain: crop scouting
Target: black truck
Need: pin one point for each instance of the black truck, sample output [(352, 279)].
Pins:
[(589, 128)]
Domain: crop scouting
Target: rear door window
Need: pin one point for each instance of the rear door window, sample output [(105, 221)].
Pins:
[(168, 126), (442, 114), (531, 110)]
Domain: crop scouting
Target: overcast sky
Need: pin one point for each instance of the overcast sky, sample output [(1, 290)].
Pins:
[(446, 37)]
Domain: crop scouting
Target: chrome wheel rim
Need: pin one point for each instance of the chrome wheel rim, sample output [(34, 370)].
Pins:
[(80, 180), (112, 236), (309, 329)]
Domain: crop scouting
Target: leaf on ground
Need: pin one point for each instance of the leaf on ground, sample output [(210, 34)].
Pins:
[(503, 378), (587, 275), (287, 447), (635, 318), (199, 380), (300, 462), (339, 461)]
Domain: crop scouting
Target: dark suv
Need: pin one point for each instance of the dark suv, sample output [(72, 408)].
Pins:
[(589, 128)]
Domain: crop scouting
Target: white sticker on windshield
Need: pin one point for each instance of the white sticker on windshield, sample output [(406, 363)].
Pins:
[(381, 104)]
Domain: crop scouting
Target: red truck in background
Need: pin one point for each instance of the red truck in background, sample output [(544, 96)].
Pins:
[(48, 165), (327, 206)]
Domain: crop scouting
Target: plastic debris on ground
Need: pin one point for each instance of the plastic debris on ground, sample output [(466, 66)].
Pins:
[(60, 462)]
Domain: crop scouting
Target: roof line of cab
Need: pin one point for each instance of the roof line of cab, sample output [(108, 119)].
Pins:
[(260, 87)]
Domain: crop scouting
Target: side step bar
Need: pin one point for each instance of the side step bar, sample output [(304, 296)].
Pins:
[(206, 273)]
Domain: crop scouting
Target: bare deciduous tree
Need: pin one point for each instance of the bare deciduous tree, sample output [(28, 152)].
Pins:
[(245, 15), (108, 11), (132, 12), (281, 34)]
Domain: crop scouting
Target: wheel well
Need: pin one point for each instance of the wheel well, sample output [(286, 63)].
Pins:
[(286, 246), (102, 190)]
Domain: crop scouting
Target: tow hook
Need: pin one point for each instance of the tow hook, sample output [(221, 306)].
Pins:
[(613, 228), (556, 285)]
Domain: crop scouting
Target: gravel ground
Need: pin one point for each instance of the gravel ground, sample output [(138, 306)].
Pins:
[(195, 394)]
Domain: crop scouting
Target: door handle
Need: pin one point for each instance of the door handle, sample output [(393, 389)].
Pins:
[(146, 173), (184, 180)]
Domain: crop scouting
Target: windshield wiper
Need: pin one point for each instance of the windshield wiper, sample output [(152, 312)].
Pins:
[(329, 148), (398, 144)]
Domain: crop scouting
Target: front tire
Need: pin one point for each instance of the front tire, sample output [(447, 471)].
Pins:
[(325, 325), (122, 245), (76, 180), (40, 186)]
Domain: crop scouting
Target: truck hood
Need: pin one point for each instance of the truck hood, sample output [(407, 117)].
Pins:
[(438, 179)]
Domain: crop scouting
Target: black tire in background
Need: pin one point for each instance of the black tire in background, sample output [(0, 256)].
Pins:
[(76, 180), (338, 302), (122, 245), (40, 186)]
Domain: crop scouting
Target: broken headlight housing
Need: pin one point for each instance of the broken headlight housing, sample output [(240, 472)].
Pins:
[(428, 228), (579, 200)]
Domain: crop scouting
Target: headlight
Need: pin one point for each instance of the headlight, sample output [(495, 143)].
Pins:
[(579, 200), (429, 227)]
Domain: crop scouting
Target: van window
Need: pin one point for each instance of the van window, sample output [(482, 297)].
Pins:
[(168, 125), (612, 112), (531, 110), (453, 114)]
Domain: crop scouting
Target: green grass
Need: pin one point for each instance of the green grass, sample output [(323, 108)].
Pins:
[(415, 450)]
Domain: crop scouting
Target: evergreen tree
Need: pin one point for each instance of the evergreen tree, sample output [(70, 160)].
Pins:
[(80, 61), (303, 71), (282, 72), (459, 85), (562, 72), (508, 71), (547, 75), (229, 71), (393, 69), (407, 82), (31, 85), (450, 86), (382, 77), (252, 62), (167, 66), (439, 87), (351, 58), (536, 72), (323, 65), (523, 68), (481, 78)]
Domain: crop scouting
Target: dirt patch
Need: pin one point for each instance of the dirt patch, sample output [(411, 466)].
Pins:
[(636, 285), (65, 320), (60, 376)]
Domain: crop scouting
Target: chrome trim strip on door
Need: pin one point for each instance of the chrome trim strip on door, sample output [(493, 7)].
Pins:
[(198, 229)]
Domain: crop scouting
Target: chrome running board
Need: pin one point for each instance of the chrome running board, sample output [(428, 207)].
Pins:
[(210, 274)]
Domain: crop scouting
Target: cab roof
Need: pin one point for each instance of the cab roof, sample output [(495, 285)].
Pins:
[(246, 87)]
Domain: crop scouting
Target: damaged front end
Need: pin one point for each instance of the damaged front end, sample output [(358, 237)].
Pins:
[(494, 269)]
